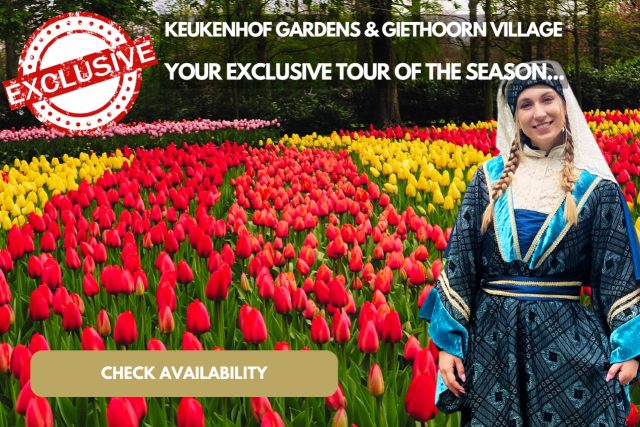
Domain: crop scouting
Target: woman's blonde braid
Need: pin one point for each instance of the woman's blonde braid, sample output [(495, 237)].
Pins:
[(568, 178), (503, 183)]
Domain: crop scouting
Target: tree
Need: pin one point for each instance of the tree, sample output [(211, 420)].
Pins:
[(387, 108)]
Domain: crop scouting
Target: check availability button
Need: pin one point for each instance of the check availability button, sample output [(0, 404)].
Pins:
[(180, 373)]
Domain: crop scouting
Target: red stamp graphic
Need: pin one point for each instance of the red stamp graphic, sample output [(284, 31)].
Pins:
[(80, 73)]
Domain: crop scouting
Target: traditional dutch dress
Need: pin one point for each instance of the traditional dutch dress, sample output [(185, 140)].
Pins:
[(508, 302)]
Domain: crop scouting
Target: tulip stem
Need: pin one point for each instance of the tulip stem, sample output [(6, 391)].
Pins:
[(379, 414), (220, 322), (95, 412)]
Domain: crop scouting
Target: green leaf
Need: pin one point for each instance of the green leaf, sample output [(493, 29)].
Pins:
[(155, 414), (67, 411), (81, 407)]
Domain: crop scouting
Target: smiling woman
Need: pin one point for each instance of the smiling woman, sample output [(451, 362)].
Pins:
[(540, 116), (538, 222)]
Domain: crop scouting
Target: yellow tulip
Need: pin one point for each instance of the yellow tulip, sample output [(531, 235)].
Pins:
[(448, 203), (6, 223), (454, 192), (392, 179), (444, 179), (390, 188), (410, 190), (422, 184), (375, 172), (438, 198)]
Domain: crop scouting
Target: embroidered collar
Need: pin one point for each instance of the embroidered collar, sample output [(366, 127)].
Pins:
[(556, 152)]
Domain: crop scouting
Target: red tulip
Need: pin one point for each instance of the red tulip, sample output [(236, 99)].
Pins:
[(420, 399), (320, 330), (171, 243), (299, 299), (51, 273), (219, 228), (623, 177), (99, 253), (340, 418), (198, 321), (184, 273), (322, 290), (243, 246), (126, 330), (282, 228), (310, 310), (375, 381), (337, 292), (302, 267), (252, 325), (5, 357), (6, 262), (25, 397), (259, 407), (436, 268), (166, 323), (355, 259), (166, 296), (155, 345), (72, 260), (71, 317), (120, 413), (424, 293), (19, 359), (395, 260), (272, 419), (632, 417), (219, 282), (91, 340), (190, 413), (47, 242), (337, 400), (103, 324), (88, 265), (340, 325), (164, 262), (191, 342), (5, 291), (424, 364), (282, 299), (417, 274), (383, 279), (37, 222), (112, 279), (266, 286), (282, 346), (392, 329), (38, 308), (307, 254), (435, 352), (336, 248), (368, 338), (139, 405), (411, 348)]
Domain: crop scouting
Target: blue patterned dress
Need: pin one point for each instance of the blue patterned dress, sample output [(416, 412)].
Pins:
[(507, 303)]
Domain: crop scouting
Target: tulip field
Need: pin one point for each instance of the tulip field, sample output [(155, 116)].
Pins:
[(213, 236)]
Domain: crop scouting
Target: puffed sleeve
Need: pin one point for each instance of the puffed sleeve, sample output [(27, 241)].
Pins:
[(448, 305), (615, 272)]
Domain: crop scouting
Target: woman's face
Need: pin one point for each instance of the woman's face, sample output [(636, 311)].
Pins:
[(540, 111)]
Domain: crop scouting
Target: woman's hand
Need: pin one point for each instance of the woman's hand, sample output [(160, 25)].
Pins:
[(447, 363), (625, 371)]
